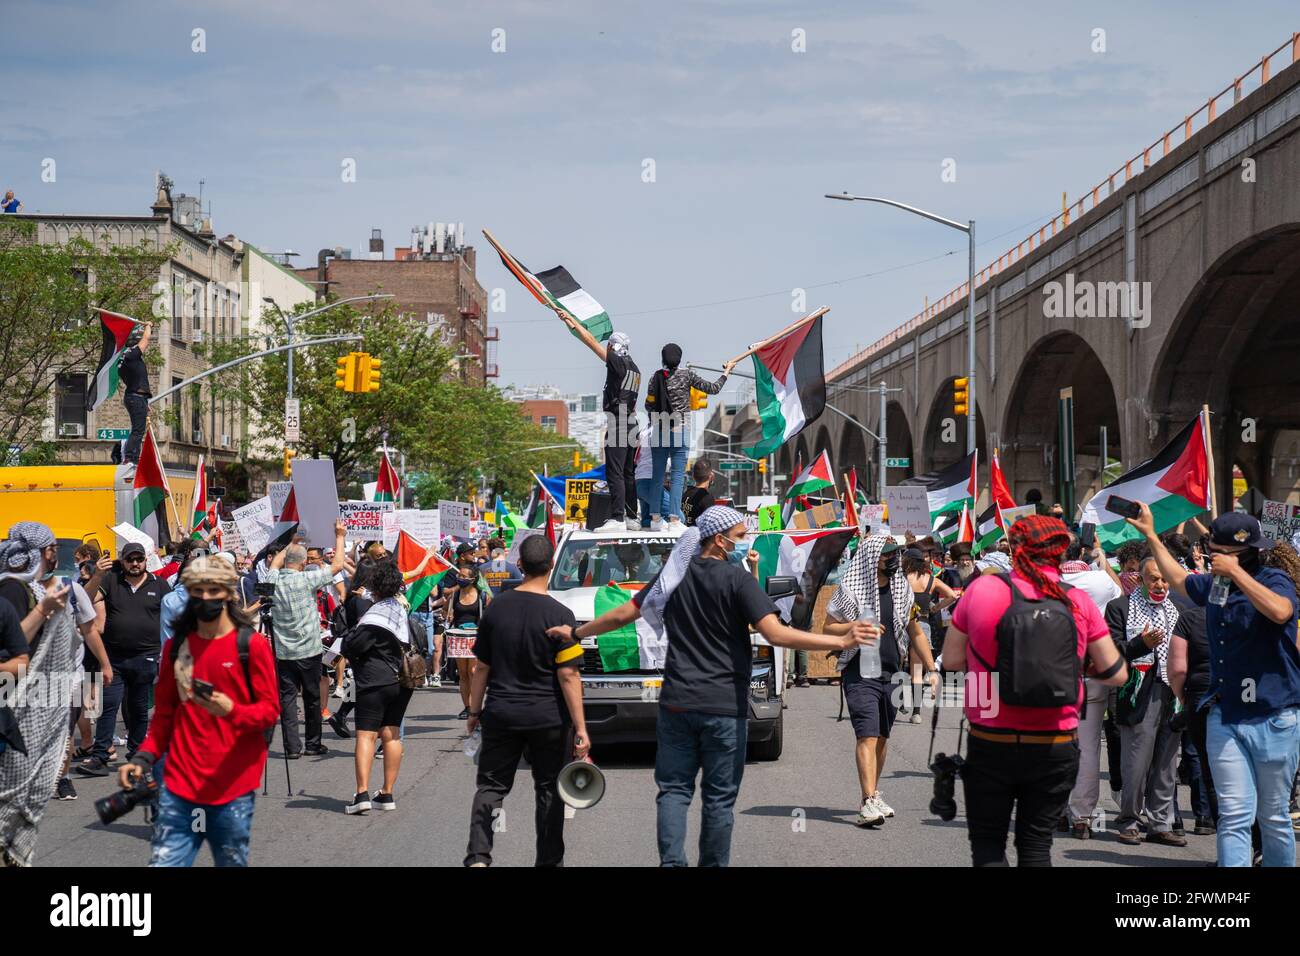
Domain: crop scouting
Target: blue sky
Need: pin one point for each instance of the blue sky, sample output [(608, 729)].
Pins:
[(545, 143)]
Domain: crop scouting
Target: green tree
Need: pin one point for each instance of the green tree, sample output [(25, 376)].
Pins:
[(48, 327)]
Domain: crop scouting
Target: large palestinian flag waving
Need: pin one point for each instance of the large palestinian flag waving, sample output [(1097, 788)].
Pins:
[(789, 386), (812, 479), (410, 553), (1175, 484), (149, 492), (388, 487), (950, 488), (557, 290), (806, 555), (116, 328)]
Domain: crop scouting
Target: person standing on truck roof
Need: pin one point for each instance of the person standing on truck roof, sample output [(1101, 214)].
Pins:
[(707, 598), (136, 393)]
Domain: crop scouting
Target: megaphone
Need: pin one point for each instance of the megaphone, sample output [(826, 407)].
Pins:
[(581, 784)]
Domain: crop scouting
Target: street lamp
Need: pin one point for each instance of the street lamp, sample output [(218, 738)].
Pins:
[(969, 229), (714, 431)]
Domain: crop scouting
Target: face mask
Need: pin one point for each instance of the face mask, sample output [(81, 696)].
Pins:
[(738, 552), (466, 582), (891, 565), (1249, 560), (1129, 580), (1153, 597), (207, 609)]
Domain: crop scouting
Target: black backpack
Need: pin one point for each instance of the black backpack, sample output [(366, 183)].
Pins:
[(1038, 647), (243, 641)]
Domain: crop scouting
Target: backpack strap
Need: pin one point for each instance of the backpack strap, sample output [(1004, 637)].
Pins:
[(1016, 596), (244, 644)]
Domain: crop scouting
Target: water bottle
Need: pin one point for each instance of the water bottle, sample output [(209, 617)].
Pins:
[(869, 654), (1219, 590), (472, 743)]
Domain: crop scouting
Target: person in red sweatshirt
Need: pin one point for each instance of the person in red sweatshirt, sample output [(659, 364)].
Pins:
[(215, 698)]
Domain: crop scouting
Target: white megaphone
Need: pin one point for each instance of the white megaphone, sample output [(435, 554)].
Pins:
[(581, 784)]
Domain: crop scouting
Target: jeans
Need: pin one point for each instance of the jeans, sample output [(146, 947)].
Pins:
[(1253, 762), (300, 674), (133, 679), (620, 475), (547, 749), (137, 406), (674, 449), (1197, 780), (181, 826), (643, 495), (688, 743), (1035, 779)]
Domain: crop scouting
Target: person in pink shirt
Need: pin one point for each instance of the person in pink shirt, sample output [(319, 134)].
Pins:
[(1024, 688)]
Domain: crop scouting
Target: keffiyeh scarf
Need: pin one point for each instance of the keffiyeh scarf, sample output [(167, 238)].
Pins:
[(674, 570), (858, 594), (1144, 613), (390, 614)]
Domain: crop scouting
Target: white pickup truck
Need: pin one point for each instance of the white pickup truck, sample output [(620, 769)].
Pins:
[(622, 706)]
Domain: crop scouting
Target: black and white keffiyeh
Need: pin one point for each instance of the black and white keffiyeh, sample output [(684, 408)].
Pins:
[(390, 614), (1144, 613), (674, 569), (858, 594)]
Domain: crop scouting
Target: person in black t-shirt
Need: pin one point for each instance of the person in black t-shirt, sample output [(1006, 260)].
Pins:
[(622, 384), (699, 499), (1189, 679), (704, 704), (134, 376), (534, 701)]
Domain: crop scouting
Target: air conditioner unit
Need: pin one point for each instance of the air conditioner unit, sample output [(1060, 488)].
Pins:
[(225, 441), (72, 430), (198, 436)]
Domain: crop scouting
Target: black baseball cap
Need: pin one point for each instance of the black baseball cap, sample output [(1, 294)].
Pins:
[(1235, 529), (130, 548)]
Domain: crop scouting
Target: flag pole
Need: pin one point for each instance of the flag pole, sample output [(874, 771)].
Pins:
[(785, 331), (531, 284), (1209, 459)]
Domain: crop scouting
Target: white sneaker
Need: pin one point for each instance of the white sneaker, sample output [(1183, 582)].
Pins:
[(435, 681), (675, 526), (632, 524), (656, 523), (613, 524), (869, 815), (882, 806)]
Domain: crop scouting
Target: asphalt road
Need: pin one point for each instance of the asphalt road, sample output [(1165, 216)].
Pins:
[(797, 811)]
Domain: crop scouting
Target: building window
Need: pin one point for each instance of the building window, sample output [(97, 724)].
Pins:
[(589, 403), (71, 404), (549, 423), (178, 307)]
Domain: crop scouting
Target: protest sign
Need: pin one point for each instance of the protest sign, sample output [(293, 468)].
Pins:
[(577, 492), (131, 534), (232, 540), (317, 496), (278, 492), (1279, 520), (454, 519), (390, 529), (769, 518), (364, 520), (521, 535), (1012, 515), (873, 516), (254, 523), (755, 502), (909, 509), (420, 523)]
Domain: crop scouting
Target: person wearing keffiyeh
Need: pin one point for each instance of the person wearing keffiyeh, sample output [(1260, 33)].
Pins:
[(1142, 624), (875, 588)]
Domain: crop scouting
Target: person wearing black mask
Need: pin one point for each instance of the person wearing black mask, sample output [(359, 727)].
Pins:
[(668, 401), (466, 606)]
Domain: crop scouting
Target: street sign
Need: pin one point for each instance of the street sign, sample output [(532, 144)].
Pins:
[(898, 462), (291, 419), (735, 465), (113, 434)]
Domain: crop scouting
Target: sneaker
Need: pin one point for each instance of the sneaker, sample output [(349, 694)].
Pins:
[(360, 803), (916, 717), (1166, 838), (93, 767), (884, 808), (1204, 826), (656, 523), (383, 801), (632, 524), (463, 715), (675, 526), (316, 751), (1129, 837), (1082, 831), (339, 726), (338, 691), (296, 755), (870, 815), (435, 681), (611, 526), (65, 790)]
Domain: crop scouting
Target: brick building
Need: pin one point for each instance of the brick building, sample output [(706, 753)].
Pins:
[(432, 280), (551, 414)]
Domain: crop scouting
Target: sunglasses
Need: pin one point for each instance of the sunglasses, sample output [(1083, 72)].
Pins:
[(133, 559)]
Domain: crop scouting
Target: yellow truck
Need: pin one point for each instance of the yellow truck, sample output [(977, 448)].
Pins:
[(79, 503)]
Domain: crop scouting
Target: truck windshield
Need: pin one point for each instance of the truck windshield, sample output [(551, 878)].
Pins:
[(593, 564)]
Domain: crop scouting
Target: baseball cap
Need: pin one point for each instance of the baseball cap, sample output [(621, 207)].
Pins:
[(1235, 529), (130, 548)]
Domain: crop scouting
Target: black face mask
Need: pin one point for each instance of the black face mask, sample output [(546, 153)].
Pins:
[(1249, 560), (891, 565), (207, 609), (467, 582)]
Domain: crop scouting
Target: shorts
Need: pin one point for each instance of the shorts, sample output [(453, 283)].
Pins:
[(383, 706), (870, 702)]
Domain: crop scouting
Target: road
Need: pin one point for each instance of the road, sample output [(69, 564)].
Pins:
[(797, 811)]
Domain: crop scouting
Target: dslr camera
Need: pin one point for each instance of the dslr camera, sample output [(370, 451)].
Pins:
[(121, 802), (946, 771), (265, 591)]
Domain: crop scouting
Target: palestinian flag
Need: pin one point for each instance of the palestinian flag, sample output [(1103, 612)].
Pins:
[(789, 385), (1175, 484), (389, 486), (410, 553), (286, 526), (966, 526), (988, 529), (951, 488), (558, 290), (533, 513), (806, 555), (116, 329), (814, 478), (633, 646), (149, 492), (199, 501)]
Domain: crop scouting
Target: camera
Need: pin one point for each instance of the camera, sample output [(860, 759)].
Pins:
[(121, 802), (265, 591), (946, 771)]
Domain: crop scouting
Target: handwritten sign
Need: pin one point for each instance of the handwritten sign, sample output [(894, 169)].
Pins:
[(873, 516), (364, 520), (1279, 520), (254, 523), (278, 492), (909, 509), (454, 519)]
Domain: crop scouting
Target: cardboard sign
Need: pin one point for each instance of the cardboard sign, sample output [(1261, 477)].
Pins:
[(909, 509), (828, 515), (454, 519), (769, 518), (130, 534), (1012, 515), (254, 522), (873, 516), (389, 521), (278, 492), (521, 535), (1279, 520), (421, 524), (232, 540), (577, 492), (364, 519), (317, 496)]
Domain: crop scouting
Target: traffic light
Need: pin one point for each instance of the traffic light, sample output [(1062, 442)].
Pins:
[(576, 458), (762, 466), (699, 400), (357, 372), (959, 393), (289, 455), (369, 373), (345, 376)]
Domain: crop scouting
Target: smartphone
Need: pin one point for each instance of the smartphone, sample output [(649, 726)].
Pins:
[(1122, 506), (1087, 536), (202, 688)]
